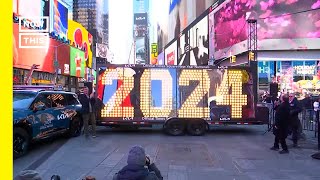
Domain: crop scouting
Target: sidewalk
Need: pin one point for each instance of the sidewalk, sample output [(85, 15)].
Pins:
[(241, 155)]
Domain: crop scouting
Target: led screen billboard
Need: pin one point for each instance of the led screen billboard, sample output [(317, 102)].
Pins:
[(282, 25), (82, 39), (59, 19), (24, 58), (159, 93), (77, 62), (32, 9), (171, 54)]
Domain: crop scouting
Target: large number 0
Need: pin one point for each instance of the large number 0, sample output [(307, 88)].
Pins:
[(166, 92), (189, 108), (232, 79), (114, 107)]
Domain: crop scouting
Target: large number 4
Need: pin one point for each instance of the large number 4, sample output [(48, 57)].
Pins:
[(189, 108), (232, 80), (114, 107)]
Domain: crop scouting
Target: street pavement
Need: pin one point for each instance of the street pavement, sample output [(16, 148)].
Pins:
[(224, 153)]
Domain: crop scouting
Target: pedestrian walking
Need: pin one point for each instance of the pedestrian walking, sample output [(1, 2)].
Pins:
[(88, 111), (295, 123), (139, 167), (280, 128)]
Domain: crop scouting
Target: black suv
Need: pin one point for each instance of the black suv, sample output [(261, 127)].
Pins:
[(39, 114)]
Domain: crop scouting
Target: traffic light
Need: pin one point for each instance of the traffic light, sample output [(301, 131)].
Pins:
[(251, 56), (233, 59)]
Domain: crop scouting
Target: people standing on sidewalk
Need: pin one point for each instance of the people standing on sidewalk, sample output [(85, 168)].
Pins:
[(280, 129), (88, 111), (295, 123), (139, 167)]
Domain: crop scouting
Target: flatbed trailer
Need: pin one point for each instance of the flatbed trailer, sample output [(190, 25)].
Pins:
[(181, 98)]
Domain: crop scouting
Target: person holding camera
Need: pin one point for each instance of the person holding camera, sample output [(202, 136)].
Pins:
[(139, 167)]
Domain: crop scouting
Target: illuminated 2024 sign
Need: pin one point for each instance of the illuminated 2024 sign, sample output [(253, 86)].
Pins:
[(182, 93)]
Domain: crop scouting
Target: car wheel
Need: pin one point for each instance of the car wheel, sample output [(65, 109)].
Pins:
[(75, 127), (21, 141)]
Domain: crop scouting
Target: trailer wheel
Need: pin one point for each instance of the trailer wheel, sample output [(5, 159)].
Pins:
[(197, 127), (175, 127)]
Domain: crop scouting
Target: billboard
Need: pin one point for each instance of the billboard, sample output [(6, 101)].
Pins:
[(32, 9), (142, 93), (24, 58), (140, 19), (154, 53), (140, 50), (102, 51), (140, 6), (79, 37), (59, 19), (160, 58), (171, 54), (282, 25), (77, 62)]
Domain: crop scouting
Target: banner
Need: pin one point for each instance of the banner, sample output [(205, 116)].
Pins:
[(102, 50), (24, 58), (77, 62), (81, 39), (59, 19)]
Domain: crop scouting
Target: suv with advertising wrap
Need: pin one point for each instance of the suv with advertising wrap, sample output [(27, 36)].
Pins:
[(40, 114)]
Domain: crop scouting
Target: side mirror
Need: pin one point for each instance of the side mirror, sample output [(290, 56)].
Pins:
[(39, 108)]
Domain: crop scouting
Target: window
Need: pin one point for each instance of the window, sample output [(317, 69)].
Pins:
[(58, 100), (71, 99), (42, 99)]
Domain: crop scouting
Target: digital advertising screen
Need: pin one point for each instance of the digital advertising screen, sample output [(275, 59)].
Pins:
[(59, 18), (282, 25), (24, 57), (140, 50), (171, 54), (77, 62), (32, 10), (81, 39), (199, 43), (159, 93)]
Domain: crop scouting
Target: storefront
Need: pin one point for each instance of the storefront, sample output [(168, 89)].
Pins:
[(294, 71)]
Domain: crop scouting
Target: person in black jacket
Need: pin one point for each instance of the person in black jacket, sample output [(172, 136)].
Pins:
[(280, 129), (295, 123), (139, 167), (88, 111)]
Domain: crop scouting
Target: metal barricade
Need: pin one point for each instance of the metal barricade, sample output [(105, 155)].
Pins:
[(308, 120)]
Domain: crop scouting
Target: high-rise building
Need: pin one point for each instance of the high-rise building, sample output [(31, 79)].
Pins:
[(105, 29), (89, 14)]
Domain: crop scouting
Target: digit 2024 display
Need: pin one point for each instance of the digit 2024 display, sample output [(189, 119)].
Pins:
[(159, 93)]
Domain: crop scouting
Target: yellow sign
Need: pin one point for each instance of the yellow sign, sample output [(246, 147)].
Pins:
[(79, 37), (40, 81), (154, 53), (251, 56), (233, 59)]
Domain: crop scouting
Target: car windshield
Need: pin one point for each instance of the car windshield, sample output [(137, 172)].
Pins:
[(22, 100)]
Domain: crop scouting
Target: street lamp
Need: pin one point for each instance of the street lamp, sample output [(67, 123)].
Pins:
[(55, 62)]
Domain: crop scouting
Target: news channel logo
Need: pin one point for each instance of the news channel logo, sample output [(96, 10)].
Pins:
[(34, 32)]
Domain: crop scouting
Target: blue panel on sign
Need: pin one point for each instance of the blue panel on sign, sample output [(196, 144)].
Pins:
[(173, 4), (156, 93)]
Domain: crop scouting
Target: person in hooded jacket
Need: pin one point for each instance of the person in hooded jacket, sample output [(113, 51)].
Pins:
[(139, 167), (280, 129)]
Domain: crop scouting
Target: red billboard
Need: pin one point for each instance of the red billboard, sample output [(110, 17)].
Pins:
[(44, 57)]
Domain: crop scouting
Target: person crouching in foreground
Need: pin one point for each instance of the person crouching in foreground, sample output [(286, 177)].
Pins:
[(139, 167), (280, 129)]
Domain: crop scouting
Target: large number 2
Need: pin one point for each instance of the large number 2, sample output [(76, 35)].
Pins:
[(114, 107), (189, 108), (166, 92), (232, 79)]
